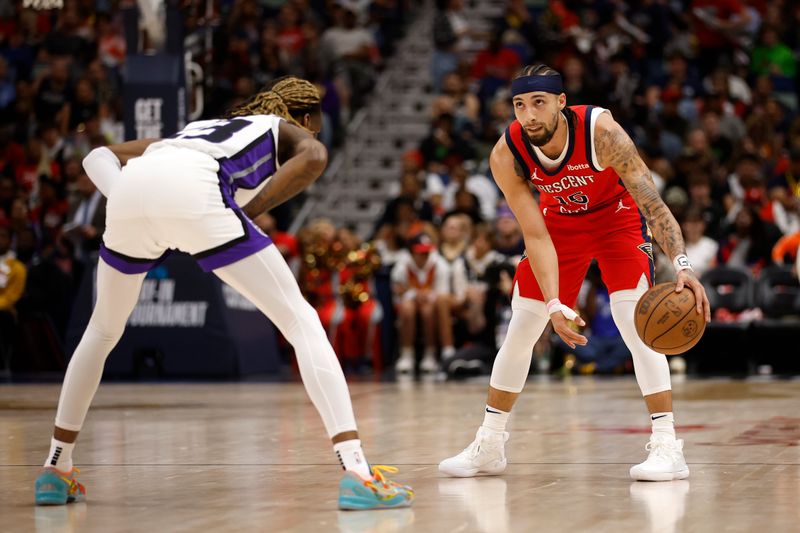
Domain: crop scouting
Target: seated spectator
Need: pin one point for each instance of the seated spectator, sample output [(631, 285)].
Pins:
[(508, 235), (770, 57), (407, 221), (578, 84), (352, 52), (478, 258), (419, 278), (451, 35), (50, 212), (702, 250), (700, 199), (748, 175), (87, 218), (749, 242), (410, 190), (457, 101), (480, 349), (444, 144), (53, 94), (467, 203), (456, 229), (479, 185), (494, 67)]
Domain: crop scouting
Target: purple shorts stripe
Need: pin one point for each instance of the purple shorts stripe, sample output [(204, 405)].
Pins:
[(127, 264), (254, 242)]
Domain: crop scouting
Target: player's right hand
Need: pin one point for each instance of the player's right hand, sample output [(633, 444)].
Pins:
[(568, 334)]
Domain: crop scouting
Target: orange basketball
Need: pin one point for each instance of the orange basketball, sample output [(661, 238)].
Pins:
[(667, 321)]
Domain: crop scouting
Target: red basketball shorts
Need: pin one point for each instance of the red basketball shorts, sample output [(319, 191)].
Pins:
[(615, 235)]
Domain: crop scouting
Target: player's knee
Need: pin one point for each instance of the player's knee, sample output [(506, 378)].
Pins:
[(105, 331), (407, 308)]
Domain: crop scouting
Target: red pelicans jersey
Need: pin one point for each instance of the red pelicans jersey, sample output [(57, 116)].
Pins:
[(578, 184), (587, 211)]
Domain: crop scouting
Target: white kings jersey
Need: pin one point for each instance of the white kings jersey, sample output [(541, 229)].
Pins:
[(246, 149)]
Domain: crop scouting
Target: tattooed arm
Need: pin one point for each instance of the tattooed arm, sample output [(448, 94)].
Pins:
[(615, 149), (539, 247)]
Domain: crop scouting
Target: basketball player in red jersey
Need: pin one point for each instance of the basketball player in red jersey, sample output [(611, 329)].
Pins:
[(596, 199)]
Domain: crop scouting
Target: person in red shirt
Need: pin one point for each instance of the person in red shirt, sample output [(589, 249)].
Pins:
[(596, 199)]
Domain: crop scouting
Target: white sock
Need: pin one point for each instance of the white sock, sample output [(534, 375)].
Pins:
[(60, 456), (495, 419), (407, 352), (429, 353), (351, 456), (448, 351), (663, 424)]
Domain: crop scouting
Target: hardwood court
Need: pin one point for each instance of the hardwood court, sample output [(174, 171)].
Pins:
[(253, 457)]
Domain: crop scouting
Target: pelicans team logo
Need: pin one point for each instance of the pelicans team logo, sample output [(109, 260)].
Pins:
[(647, 249)]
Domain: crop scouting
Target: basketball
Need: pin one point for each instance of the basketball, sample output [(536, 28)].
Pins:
[(668, 321)]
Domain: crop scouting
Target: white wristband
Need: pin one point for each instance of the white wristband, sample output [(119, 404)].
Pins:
[(555, 306), (681, 262)]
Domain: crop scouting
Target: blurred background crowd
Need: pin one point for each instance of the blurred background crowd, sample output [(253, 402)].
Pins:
[(706, 88)]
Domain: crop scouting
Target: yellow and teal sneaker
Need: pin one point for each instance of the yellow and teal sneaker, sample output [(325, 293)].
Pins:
[(58, 488), (357, 493)]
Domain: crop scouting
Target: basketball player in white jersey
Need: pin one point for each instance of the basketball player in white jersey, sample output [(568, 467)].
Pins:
[(197, 192)]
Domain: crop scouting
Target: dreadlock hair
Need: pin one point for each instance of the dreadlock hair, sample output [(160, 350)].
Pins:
[(287, 97)]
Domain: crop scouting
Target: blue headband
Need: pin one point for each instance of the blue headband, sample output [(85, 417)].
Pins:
[(530, 84)]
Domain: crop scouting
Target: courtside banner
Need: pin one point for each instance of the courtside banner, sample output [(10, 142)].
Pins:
[(187, 323), (154, 95)]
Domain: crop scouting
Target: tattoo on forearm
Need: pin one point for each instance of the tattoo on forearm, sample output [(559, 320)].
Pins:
[(615, 149)]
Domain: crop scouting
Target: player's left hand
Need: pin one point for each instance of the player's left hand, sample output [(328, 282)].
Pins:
[(686, 278), (561, 325)]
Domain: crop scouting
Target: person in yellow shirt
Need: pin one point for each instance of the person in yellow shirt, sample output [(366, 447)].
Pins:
[(12, 284)]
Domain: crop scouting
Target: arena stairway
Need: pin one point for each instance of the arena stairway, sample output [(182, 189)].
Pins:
[(366, 171)]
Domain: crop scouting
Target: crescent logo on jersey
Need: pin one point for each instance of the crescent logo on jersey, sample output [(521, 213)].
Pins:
[(647, 248), (535, 177)]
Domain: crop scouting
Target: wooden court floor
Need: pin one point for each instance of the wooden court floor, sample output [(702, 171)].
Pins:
[(253, 457)]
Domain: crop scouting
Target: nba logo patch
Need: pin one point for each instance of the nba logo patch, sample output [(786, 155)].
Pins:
[(647, 248)]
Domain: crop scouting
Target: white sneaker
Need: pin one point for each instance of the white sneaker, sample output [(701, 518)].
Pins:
[(428, 364), (404, 364), (664, 463), (486, 454)]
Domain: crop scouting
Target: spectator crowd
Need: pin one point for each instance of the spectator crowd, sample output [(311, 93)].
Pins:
[(706, 88)]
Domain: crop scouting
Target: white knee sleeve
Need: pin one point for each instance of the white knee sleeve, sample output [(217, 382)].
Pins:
[(117, 294), (652, 370), (528, 319), (266, 280)]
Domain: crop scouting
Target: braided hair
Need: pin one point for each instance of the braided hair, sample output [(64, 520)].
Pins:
[(288, 97)]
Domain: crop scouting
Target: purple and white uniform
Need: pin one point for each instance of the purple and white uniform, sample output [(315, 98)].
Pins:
[(187, 192)]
